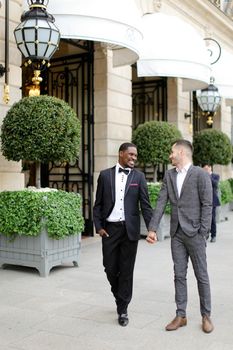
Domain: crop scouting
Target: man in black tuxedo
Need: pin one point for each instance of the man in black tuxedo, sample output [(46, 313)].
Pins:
[(120, 191), (216, 202)]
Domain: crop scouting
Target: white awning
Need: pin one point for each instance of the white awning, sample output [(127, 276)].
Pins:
[(173, 48), (222, 71), (107, 21)]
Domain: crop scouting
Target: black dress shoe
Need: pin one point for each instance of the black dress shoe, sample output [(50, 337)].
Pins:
[(123, 320)]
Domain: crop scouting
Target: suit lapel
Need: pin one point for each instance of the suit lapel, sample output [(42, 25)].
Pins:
[(112, 181), (129, 180), (174, 184), (186, 179)]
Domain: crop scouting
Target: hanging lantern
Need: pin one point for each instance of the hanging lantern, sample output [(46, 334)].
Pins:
[(209, 100), (36, 36)]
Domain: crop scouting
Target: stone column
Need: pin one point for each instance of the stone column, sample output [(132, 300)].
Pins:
[(11, 177), (112, 108), (178, 105)]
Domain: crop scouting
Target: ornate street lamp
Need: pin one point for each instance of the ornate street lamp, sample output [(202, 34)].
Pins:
[(209, 100), (37, 37)]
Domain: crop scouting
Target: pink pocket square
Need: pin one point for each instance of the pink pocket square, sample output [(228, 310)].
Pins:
[(133, 184)]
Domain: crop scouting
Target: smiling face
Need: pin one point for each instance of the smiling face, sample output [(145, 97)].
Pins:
[(128, 157)]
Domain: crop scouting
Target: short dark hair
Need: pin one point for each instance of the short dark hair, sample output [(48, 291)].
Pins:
[(187, 144), (124, 146)]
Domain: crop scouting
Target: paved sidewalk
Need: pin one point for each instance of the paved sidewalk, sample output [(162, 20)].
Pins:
[(73, 307)]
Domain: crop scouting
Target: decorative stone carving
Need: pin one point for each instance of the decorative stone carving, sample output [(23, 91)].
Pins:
[(150, 6), (157, 4)]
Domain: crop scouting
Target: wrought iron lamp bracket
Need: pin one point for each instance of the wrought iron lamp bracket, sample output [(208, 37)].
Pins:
[(2, 70), (214, 49)]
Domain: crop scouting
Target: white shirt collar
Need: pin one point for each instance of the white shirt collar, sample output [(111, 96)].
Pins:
[(184, 169)]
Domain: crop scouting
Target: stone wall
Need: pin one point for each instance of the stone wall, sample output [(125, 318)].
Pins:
[(112, 110), (11, 177)]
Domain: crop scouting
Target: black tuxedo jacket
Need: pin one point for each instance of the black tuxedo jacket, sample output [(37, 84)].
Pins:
[(136, 198)]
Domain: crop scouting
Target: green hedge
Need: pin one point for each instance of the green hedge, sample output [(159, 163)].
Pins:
[(26, 212), (153, 190), (225, 187), (231, 184)]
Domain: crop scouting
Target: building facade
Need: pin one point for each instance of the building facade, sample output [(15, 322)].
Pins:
[(99, 79)]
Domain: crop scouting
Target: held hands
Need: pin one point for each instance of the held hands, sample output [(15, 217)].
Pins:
[(151, 237), (103, 233)]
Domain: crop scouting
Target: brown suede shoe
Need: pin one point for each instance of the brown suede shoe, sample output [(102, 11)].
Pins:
[(176, 323), (207, 325)]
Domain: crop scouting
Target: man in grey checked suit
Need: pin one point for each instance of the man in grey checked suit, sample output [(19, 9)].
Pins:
[(188, 189)]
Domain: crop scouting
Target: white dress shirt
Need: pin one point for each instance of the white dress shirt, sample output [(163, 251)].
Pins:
[(181, 174), (118, 212)]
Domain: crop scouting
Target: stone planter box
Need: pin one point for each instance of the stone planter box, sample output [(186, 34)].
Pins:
[(222, 212), (164, 227), (231, 206), (40, 252)]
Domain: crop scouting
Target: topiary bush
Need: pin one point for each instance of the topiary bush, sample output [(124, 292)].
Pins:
[(41, 129), (154, 140), (211, 147)]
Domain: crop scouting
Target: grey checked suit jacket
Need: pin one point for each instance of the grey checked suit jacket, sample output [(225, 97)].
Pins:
[(193, 209)]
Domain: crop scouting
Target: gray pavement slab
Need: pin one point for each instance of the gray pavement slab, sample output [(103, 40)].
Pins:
[(73, 307)]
